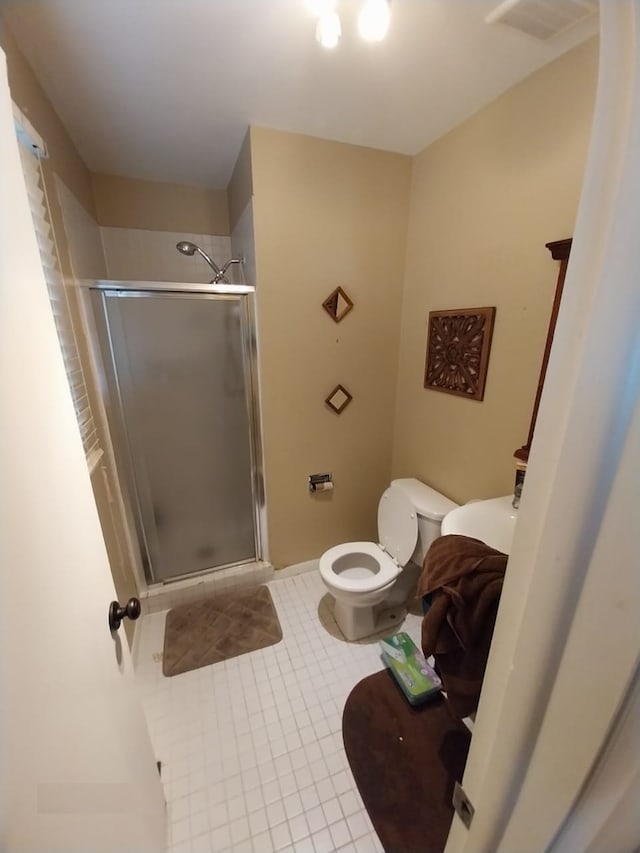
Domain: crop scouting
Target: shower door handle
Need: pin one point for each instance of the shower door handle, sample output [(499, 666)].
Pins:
[(132, 609)]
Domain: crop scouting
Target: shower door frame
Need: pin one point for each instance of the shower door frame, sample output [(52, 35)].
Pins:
[(104, 289)]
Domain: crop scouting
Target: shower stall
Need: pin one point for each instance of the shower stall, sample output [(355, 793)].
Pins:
[(180, 390)]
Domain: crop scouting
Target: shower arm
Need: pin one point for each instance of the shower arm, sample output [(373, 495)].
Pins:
[(220, 275)]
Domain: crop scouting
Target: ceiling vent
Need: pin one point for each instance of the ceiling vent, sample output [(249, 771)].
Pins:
[(542, 19)]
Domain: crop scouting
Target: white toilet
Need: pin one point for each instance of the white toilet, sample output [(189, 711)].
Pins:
[(360, 575)]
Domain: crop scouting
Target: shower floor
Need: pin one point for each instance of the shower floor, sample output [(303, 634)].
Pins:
[(251, 748)]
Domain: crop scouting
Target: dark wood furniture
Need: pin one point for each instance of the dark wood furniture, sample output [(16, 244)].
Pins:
[(560, 250)]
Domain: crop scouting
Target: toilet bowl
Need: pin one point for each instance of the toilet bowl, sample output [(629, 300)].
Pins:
[(360, 575)]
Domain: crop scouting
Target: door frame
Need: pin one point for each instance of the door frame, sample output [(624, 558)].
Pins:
[(137, 498), (566, 650)]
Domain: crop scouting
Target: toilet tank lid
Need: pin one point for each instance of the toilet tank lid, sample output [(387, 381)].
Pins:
[(428, 502)]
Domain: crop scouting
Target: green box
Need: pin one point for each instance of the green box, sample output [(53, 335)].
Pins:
[(418, 680)]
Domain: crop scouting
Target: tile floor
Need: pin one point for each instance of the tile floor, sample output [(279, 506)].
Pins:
[(251, 748)]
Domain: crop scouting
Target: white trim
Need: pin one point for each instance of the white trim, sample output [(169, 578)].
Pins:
[(136, 641), (93, 459), (88, 331), (27, 134), (567, 638), (36, 188)]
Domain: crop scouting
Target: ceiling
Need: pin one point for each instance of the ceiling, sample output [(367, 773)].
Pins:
[(165, 89)]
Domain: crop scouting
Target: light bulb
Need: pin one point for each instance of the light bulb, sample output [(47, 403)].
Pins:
[(329, 30), (318, 8), (374, 19)]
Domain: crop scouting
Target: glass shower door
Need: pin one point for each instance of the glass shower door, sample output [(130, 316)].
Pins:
[(179, 365)]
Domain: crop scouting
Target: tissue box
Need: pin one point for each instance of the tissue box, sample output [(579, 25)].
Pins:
[(418, 680)]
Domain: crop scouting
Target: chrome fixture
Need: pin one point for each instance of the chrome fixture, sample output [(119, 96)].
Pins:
[(373, 21), (186, 247), (328, 28), (180, 362)]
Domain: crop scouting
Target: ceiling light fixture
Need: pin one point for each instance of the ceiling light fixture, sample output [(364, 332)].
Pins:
[(329, 29), (374, 20)]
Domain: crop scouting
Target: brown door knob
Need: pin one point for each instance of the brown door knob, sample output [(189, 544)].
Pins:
[(131, 609)]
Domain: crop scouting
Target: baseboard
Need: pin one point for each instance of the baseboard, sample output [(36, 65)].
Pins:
[(296, 569), (165, 596), (135, 643)]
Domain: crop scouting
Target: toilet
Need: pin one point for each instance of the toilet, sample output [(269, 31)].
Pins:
[(360, 575)]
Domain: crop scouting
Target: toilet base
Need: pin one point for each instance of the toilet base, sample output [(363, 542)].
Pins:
[(356, 623)]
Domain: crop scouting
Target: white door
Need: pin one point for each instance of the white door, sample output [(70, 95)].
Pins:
[(77, 771), (548, 768)]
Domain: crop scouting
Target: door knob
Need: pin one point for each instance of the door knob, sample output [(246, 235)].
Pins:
[(131, 609)]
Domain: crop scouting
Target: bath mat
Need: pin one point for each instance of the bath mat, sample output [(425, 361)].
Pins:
[(219, 628), (405, 762)]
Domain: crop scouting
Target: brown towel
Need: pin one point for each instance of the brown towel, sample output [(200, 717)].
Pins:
[(464, 578)]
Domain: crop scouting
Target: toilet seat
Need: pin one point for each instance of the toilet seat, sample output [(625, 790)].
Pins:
[(397, 525), (362, 576), (364, 567), (387, 569)]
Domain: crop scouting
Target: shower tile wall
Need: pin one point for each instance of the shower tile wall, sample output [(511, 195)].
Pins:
[(243, 243), (139, 255), (83, 236)]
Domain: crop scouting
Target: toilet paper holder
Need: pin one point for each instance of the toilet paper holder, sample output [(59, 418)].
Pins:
[(320, 483)]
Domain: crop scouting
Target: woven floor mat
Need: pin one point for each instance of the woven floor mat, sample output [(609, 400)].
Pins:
[(219, 628)]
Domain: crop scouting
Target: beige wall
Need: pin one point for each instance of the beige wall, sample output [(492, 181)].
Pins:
[(326, 214), (484, 201), (159, 206), (480, 204), (30, 97)]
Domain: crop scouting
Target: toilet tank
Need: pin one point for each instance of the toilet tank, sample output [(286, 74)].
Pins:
[(431, 507)]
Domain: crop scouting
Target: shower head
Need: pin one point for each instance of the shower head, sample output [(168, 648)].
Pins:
[(186, 247)]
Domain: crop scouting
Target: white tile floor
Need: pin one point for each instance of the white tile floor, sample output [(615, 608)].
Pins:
[(251, 748)]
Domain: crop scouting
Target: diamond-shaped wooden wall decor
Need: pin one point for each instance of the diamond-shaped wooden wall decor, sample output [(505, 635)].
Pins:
[(337, 305), (338, 399), (458, 351)]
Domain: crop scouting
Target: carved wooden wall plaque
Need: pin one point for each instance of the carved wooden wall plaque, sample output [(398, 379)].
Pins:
[(458, 351)]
